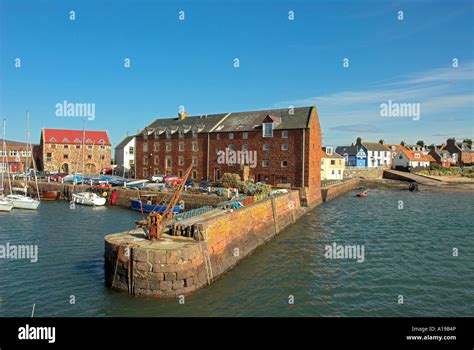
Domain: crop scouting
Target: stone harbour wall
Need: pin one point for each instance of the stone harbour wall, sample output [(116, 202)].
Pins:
[(333, 191), (178, 266)]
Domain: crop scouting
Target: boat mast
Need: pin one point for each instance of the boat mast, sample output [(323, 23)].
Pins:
[(83, 149), (6, 156), (29, 154)]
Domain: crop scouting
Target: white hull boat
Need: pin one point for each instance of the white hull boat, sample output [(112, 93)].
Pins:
[(22, 202), (88, 198), (5, 205)]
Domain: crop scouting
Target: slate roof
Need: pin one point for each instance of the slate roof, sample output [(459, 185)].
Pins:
[(124, 142), (251, 121), (350, 150), (12, 143), (236, 121), (374, 146)]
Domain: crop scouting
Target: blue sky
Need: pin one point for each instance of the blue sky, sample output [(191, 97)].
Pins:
[(282, 63)]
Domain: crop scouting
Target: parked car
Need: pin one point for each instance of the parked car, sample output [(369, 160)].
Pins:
[(58, 176), (173, 180), (107, 171), (205, 186), (158, 178)]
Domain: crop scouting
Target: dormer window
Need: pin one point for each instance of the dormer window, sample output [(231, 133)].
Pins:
[(52, 139), (417, 155), (65, 139), (267, 129), (77, 140), (329, 151)]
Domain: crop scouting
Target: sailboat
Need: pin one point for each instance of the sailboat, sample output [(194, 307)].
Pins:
[(22, 201), (4, 204), (87, 198)]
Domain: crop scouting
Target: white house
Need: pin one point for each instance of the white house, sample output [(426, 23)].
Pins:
[(125, 157), (410, 159)]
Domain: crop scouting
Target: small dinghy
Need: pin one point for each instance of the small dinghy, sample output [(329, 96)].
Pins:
[(362, 194), (5, 205), (88, 198)]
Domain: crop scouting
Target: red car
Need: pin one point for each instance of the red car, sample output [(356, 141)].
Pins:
[(106, 171), (173, 180), (58, 176)]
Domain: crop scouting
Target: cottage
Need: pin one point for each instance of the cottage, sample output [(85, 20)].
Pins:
[(332, 164), (349, 154), (442, 157), (462, 151), (125, 156), (407, 160)]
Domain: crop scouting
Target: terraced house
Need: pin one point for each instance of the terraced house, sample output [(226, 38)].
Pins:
[(64, 151), (278, 146)]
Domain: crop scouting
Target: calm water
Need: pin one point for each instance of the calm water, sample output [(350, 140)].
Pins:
[(407, 252)]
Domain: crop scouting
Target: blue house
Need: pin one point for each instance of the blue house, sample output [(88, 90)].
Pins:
[(361, 157)]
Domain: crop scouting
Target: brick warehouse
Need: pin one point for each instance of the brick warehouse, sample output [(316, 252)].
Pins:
[(64, 150), (16, 156), (286, 143)]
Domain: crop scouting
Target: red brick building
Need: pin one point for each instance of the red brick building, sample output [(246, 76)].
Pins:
[(64, 150), (283, 144), (16, 156)]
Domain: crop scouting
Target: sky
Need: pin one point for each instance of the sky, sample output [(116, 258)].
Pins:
[(290, 53)]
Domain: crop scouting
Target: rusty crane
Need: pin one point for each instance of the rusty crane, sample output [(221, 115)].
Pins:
[(156, 223)]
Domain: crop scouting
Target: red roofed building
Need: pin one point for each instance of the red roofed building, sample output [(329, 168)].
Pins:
[(406, 159), (64, 150)]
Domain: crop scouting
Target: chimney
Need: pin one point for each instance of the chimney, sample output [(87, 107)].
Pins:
[(182, 115), (468, 141), (381, 141), (359, 141), (451, 141)]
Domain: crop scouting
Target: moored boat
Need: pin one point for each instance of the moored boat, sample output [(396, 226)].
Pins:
[(23, 202), (150, 203), (5, 205), (50, 195), (88, 198)]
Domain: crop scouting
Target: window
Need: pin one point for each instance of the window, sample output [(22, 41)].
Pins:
[(181, 161), (13, 153), (194, 175), (181, 134), (65, 156), (284, 180), (284, 147), (156, 147), (102, 147), (145, 172), (195, 146), (168, 162), (168, 135), (102, 157), (231, 146), (266, 147), (400, 157), (333, 162), (168, 147), (145, 147), (267, 129), (245, 135), (48, 157), (218, 136), (180, 173), (231, 136), (157, 160), (332, 172), (89, 147), (156, 171), (53, 146), (194, 161), (417, 155), (195, 135), (266, 163), (245, 147), (145, 160), (131, 150), (284, 134), (66, 146), (339, 171), (78, 147), (181, 146), (284, 163)]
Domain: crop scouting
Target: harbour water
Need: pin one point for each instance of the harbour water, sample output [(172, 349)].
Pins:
[(407, 252)]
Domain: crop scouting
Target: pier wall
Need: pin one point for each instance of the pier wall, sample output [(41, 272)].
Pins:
[(364, 173), (333, 191), (169, 269)]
